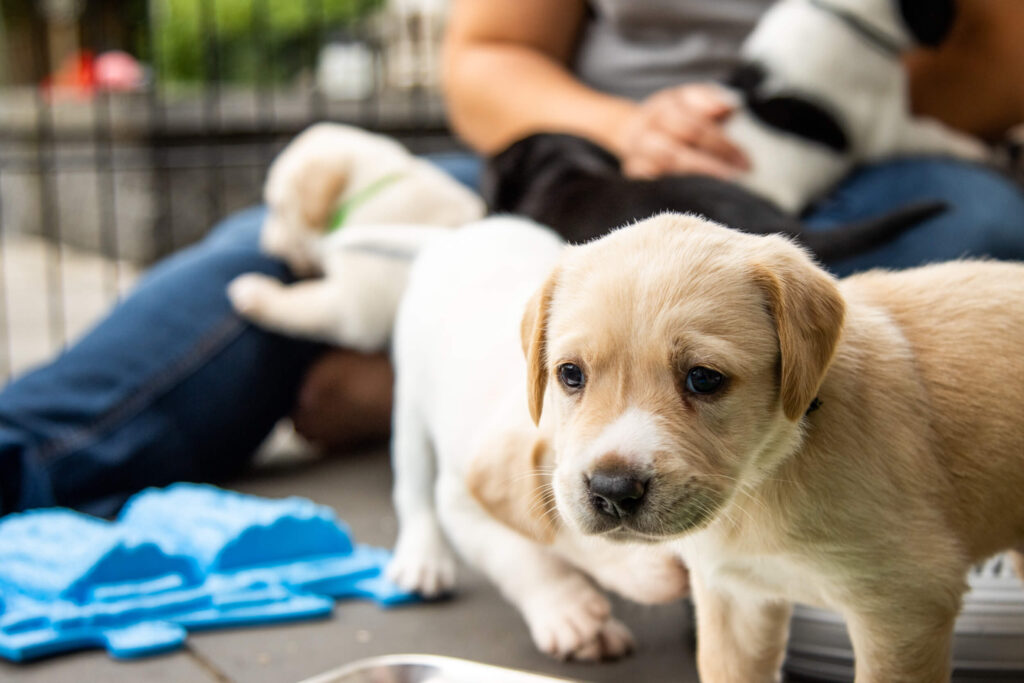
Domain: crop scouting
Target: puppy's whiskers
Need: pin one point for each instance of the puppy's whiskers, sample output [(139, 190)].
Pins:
[(536, 473)]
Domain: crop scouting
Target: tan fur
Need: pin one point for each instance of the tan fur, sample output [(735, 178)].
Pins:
[(318, 186), (511, 484), (876, 504), (808, 315), (532, 330)]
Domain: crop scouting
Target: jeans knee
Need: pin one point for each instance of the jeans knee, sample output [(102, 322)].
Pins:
[(240, 229), (989, 207)]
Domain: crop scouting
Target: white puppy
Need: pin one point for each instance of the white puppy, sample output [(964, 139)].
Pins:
[(349, 205), (469, 463), (824, 89)]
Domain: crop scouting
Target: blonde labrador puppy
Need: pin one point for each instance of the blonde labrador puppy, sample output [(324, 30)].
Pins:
[(856, 444), (470, 468)]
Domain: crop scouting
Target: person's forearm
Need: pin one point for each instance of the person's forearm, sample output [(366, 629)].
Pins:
[(498, 93)]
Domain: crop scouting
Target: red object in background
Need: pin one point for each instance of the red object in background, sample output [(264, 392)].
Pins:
[(82, 74), (75, 75)]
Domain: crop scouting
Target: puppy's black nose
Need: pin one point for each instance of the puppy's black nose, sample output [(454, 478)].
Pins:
[(616, 493)]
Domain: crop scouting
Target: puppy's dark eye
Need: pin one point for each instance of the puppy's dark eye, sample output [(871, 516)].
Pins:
[(571, 376), (701, 380)]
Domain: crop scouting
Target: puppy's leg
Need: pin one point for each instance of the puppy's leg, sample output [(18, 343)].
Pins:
[(740, 639), (307, 309), (905, 642), (423, 561), (567, 615)]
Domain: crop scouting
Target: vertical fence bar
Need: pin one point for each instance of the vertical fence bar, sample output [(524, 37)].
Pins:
[(316, 16), (46, 168), (211, 109), (264, 90), (5, 319), (368, 106), (156, 134), (106, 187)]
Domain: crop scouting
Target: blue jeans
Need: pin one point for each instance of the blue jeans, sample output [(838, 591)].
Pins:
[(172, 385), (984, 218)]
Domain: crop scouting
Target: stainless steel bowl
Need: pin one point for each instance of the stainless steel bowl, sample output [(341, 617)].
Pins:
[(426, 669)]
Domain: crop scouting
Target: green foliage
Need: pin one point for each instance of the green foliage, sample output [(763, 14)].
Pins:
[(246, 41)]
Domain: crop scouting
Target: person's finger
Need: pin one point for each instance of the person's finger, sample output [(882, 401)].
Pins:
[(703, 99), (639, 169), (654, 154), (690, 160), (689, 130), (657, 154), (713, 140)]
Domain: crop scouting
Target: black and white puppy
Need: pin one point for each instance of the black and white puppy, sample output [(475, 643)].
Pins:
[(823, 88), (577, 188)]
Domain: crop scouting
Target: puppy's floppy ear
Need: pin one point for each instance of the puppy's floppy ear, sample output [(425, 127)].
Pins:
[(808, 311), (929, 21), (534, 334), (318, 187), (509, 479)]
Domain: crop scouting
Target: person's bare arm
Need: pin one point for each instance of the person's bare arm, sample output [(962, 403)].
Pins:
[(975, 80), (506, 76)]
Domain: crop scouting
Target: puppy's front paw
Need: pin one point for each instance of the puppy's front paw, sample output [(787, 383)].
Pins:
[(248, 293), (613, 641), (423, 562), (576, 625)]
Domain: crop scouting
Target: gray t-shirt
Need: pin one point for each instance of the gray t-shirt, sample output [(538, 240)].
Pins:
[(636, 47)]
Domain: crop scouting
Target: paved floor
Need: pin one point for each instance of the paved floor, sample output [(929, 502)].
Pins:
[(49, 294), (476, 624)]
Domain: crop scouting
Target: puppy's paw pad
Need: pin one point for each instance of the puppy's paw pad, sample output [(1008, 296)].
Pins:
[(248, 292), (570, 628), (424, 566), (613, 641)]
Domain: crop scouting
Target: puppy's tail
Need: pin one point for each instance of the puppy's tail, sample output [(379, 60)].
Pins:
[(850, 239)]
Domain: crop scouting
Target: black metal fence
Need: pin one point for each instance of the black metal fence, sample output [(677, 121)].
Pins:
[(128, 128)]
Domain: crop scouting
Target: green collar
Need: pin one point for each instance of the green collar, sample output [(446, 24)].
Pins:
[(361, 197)]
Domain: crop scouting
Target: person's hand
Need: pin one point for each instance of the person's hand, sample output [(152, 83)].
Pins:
[(345, 400), (677, 131)]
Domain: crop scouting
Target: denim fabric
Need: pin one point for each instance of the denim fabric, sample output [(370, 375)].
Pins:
[(171, 385), (463, 166), (986, 215)]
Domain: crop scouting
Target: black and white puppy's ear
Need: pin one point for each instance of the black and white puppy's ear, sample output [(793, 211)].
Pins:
[(929, 21)]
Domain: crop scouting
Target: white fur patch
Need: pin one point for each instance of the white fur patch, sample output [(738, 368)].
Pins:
[(635, 435)]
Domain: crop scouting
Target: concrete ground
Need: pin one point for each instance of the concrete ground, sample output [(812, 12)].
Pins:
[(476, 624), (49, 294)]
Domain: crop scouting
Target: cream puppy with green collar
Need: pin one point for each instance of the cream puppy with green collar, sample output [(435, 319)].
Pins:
[(349, 209)]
